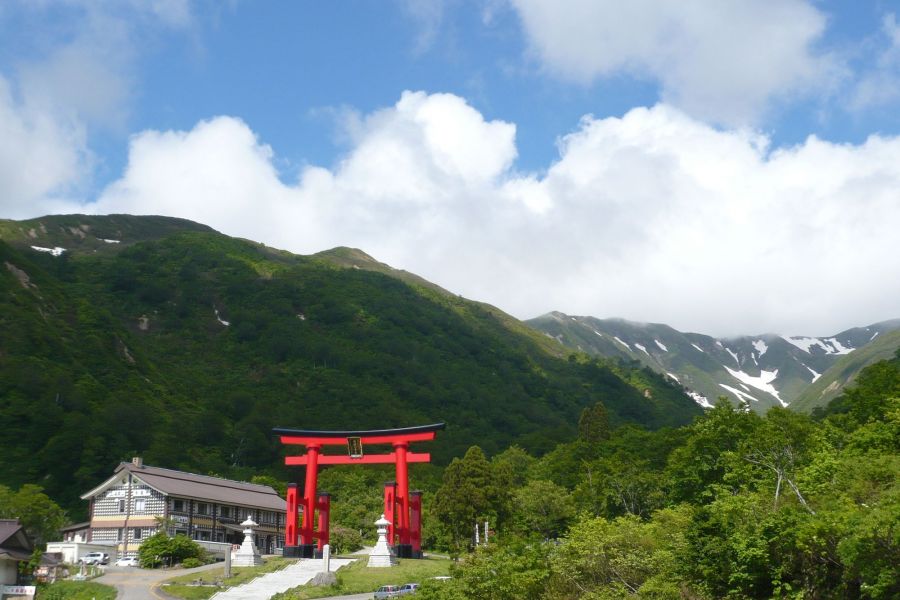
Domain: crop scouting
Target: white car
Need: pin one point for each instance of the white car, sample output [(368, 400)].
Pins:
[(408, 588), (95, 558), (128, 561)]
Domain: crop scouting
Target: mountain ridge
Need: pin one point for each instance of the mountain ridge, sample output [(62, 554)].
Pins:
[(762, 370)]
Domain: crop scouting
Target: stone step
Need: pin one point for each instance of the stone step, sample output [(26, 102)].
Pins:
[(266, 586)]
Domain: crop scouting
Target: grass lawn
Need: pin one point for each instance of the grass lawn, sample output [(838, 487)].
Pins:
[(77, 590), (178, 586), (357, 578)]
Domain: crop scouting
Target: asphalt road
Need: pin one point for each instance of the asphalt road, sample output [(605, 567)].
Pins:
[(133, 583)]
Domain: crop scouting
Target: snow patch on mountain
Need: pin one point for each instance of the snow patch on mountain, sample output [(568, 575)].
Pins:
[(597, 332), (804, 343), (220, 320), (57, 251), (733, 355), (762, 382), (615, 337), (838, 347), (661, 346), (698, 348), (699, 399), (761, 347), (738, 393), (814, 374), (642, 348), (673, 376), (874, 335), (829, 345)]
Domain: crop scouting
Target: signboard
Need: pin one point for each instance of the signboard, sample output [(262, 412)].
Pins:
[(354, 447), (17, 590), (137, 493)]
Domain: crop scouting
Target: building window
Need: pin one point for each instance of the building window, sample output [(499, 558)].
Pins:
[(137, 533), (178, 505), (119, 535), (225, 511), (202, 508), (121, 506), (140, 505)]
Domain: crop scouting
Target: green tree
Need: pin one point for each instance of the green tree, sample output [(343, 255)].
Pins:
[(502, 571), (780, 445), (593, 424), (542, 508), (41, 517), (624, 558), (468, 495), (704, 459)]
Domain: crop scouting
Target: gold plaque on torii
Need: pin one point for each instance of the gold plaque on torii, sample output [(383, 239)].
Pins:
[(354, 447)]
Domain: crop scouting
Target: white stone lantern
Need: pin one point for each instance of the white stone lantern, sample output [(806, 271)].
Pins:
[(247, 555), (382, 554)]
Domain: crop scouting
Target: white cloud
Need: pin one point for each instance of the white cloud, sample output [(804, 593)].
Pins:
[(878, 85), (722, 61), (71, 79), (652, 216), (41, 157), (428, 16)]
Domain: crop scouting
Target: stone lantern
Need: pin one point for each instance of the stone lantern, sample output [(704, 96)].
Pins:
[(382, 554), (247, 555)]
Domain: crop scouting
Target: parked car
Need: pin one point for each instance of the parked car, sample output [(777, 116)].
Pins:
[(408, 588), (128, 561), (387, 591), (95, 558)]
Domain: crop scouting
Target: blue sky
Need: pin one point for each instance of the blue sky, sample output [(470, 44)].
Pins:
[(725, 167)]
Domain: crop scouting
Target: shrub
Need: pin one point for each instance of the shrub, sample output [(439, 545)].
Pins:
[(344, 539), (190, 563), (160, 548)]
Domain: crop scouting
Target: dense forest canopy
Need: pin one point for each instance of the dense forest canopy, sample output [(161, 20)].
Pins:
[(735, 505), (187, 347)]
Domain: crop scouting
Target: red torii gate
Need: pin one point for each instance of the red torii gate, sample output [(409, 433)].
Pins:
[(402, 508)]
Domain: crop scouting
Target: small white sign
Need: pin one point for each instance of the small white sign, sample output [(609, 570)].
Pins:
[(18, 590), (115, 494)]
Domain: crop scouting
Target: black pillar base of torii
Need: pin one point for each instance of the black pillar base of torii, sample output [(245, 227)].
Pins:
[(301, 551), (402, 507)]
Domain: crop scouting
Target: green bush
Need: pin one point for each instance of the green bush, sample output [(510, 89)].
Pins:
[(77, 590), (344, 539), (190, 563), (160, 548)]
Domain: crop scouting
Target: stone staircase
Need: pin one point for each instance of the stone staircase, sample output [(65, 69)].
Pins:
[(266, 586)]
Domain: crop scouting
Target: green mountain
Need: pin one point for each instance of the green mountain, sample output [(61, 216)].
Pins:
[(122, 335), (845, 371), (762, 370)]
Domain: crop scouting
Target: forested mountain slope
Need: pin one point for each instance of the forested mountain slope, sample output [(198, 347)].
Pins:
[(164, 338)]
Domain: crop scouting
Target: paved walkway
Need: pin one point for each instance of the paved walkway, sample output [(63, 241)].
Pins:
[(266, 586)]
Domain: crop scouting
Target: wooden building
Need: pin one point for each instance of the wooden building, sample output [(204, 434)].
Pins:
[(138, 500)]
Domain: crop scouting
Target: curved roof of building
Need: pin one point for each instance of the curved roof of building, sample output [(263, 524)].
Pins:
[(199, 487)]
